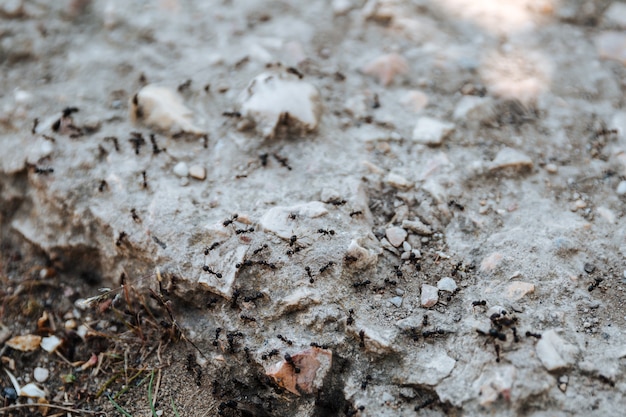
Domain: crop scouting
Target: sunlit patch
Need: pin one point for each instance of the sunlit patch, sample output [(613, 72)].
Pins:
[(522, 75), (501, 17)]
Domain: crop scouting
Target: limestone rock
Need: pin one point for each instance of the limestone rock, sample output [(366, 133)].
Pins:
[(554, 352), (361, 257), (162, 109), (396, 235), (386, 67), (272, 100), (429, 296), (302, 372), (517, 290), (398, 181), (416, 226), (375, 339), (511, 159), (278, 220), (447, 284), (198, 172), (430, 131), (429, 367)]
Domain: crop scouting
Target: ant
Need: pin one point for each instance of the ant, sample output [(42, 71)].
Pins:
[(337, 202), (290, 252), (362, 338), (113, 139), (133, 213), (429, 333), (137, 140), (160, 243), (282, 160), (43, 171), (606, 132), (398, 272), (145, 179), (368, 378), (195, 369), (294, 71), (263, 157), (479, 303), (350, 319), (269, 354), (494, 333), (326, 232), (33, 130), (184, 86), (67, 112), (308, 272), (230, 337), (121, 237), (217, 335), (242, 231), (284, 339), (313, 344), (205, 141), (595, 284), (234, 114), (390, 282), (290, 361), (155, 148), (254, 297), (350, 258), (268, 264), (103, 185), (535, 335), (259, 249), (454, 203), (356, 213), (247, 352), (325, 267), (361, 283), (247, 318), (231, 220), (206, 268), (209, 249), (50, 138), (236, 295)]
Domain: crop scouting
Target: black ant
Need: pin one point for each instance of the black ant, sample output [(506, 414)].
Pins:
[(368, 378), (155, 148), (350, 319), (205, 141), (532, 334), (294, 71), (43, 171), (425, 320), (206, 268), (236, 294), (259, 249), (210, 248), (479, 303), (103, 185), (120, 237), (282, 160), (269, 354), (247, 318), (313, 344), (67, 112), (254, 297), (234, 114), (362, 338), (390, 282), (494, 333), (356, 213), (325, 267), (290, 361), (133, 213), (326, 232), (398, 272), (232, 404), (217, 335), (263, 157), (361, 283), (284, 339), (137, 140), (184, 86), (50, 138), (230, 337), (231, 220), (425, 404), (160, 242), (606, 132), (308, 272), (33, 130), (242, 231), (457, 205), (113, 139), (436, 332), (245, 263), (268, 264), (595, 284), (290, 252), (337, 202), (247, 352), (349, 259), (497, 347)]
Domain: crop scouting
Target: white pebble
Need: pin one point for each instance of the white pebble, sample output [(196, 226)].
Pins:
[(552, 168), (417, 226), (399, 291), (41, 374), (447, 284), (430, 296), (50, 343), (398, 181), (429, 131), (396, 301), (621, 188), (396, 235), (554, 352), (198, 172), (276, 99), (509, 158), (406, 246), (181, 169)]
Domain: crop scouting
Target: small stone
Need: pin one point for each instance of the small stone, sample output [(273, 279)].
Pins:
[(181, 169), (429, 296), (415, 100), (278, 219), (396, 235), (432, 132), (276, 100), (41, 374), (400, 291), (621, 188), (386, 67), (396, 301), (406, 246), (407, 392), (360, 257), (32, 391), (398, 182), (491, 262), (198, 172), (518, 289), (552, 168), (554, 352), (26, 343), (511, 159), (607, 214), (589, 268), (50, 343), (447, 284), (162, 109), (416, 226)]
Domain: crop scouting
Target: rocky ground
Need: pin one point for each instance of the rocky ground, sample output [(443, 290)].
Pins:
[(316, 208)]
